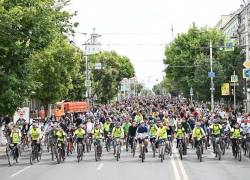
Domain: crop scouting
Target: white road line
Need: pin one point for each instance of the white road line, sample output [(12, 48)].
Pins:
[(181, 166), (13, 175), (100, 166), (176, 174)]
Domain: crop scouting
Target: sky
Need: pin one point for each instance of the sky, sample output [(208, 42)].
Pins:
[(130, 23)]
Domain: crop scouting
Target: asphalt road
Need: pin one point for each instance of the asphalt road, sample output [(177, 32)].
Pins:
[(128, 167)]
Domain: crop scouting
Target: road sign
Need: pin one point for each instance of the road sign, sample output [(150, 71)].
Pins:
[(211, 74), (212, 85), (98, 66), (247, 64), (191, 91), (229, 46), (234, 78), (246, 73), (87, 83), (236, 84)]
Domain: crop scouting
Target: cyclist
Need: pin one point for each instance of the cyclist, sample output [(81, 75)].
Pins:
[(198, 133), (25, 130), (161, 136), (35, 136), (180, 134), (47, 129), (142, 132), (187, 129), (15, 138), (106, 128), (97, 134), (236, 132), (125, 127), (153, 132), (246, 130), (60, 139), (131, 134), (79, 136), (215, 132), (117, 133)]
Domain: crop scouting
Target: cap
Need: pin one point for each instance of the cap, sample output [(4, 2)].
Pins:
[(215, 121), (141, 121), (179, 123), (198, 124)]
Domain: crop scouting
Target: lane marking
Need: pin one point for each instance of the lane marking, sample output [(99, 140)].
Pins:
[(181, 165), (100, 166), (176, 174), (13, 175)]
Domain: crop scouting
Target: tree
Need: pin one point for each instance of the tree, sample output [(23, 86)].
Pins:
[(54, 68), (106, 82), (25, 27)]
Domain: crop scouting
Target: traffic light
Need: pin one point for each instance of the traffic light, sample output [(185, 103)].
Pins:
[(221, 44), (248, 86), (103, 65)]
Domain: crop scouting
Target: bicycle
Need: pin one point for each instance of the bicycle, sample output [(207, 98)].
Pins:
[(88, 142), (24, 141), (204, 141), (79, 151), (134, 145), (217, 148), (227, 139), (34, 153), (53, 148), (180, 148), (126, 143), (143, 149), (60, 154), (118, 149), (199, 149), (69, 145), (97, 150), (12, 154), (153, 146), (163, 144), (223, 145), (169, 149), (107, 142), (238, 149)]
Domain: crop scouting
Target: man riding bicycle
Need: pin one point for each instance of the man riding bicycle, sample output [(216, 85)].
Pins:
[(97, 134), (153, 132), (141, 134), (15, 138), (198, 133), (35, 137), (161, 136), (60, 139), (215, 132), (236, 132), (117, 133), (79, 136)]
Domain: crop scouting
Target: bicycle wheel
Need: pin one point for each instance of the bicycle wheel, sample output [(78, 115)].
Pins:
[(219, 152), (162, 154), (153, 149), (170, 150), (52, 153), (10, 157), (18, 157), (127, 144), (180, 150), (239, 152), (133, 149), (59, 156), (143, 154), (78, 154), (32, 157), (192, 143), (95, 148), (198, 152), (200, 149), (223, 148), (107, 144), (117, 152), (248, 149)]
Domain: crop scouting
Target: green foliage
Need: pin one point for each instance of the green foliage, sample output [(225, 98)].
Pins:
[(106, 83), (54, 68), (25, 27), (189, 64)]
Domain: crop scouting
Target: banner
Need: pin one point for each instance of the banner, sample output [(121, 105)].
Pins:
[(21, 116), (225, 91)]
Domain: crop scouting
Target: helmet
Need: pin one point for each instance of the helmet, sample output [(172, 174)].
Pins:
[(117, 124), (198, 124), (245, 120), (150, 122), (215, 121), (141, 121), (179, 123)]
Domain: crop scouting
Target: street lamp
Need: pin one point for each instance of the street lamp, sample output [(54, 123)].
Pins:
[(211, 66)]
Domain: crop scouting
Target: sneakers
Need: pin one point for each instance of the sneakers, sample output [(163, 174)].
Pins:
[(100, 155), (40, 152), (140, 156), (156, 150), (121, 148), (202, 156), (195, 150), (115, 155)]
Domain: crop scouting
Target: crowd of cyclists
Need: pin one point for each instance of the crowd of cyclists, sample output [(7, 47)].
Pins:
[(136, 123)]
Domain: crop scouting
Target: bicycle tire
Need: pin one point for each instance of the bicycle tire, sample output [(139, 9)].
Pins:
[(19, 155), (10, 158), (170, 150), (117, 152), (133, 149), (96, 154), (239, 153), (248, 149), (162, 154), (52, 153), (200, 153), (107, 144), (59, 156), (219, 152), (180, 151), (127, 144), (143, 154), (153, 149), (32, 157)]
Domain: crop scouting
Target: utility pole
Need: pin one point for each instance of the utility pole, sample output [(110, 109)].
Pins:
[(211, 65), (247, 53), (234, 95)]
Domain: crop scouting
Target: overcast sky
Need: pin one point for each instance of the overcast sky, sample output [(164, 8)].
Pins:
[(145, 22)]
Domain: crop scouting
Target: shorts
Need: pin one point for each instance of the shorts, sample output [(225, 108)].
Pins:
[(160, 140)]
